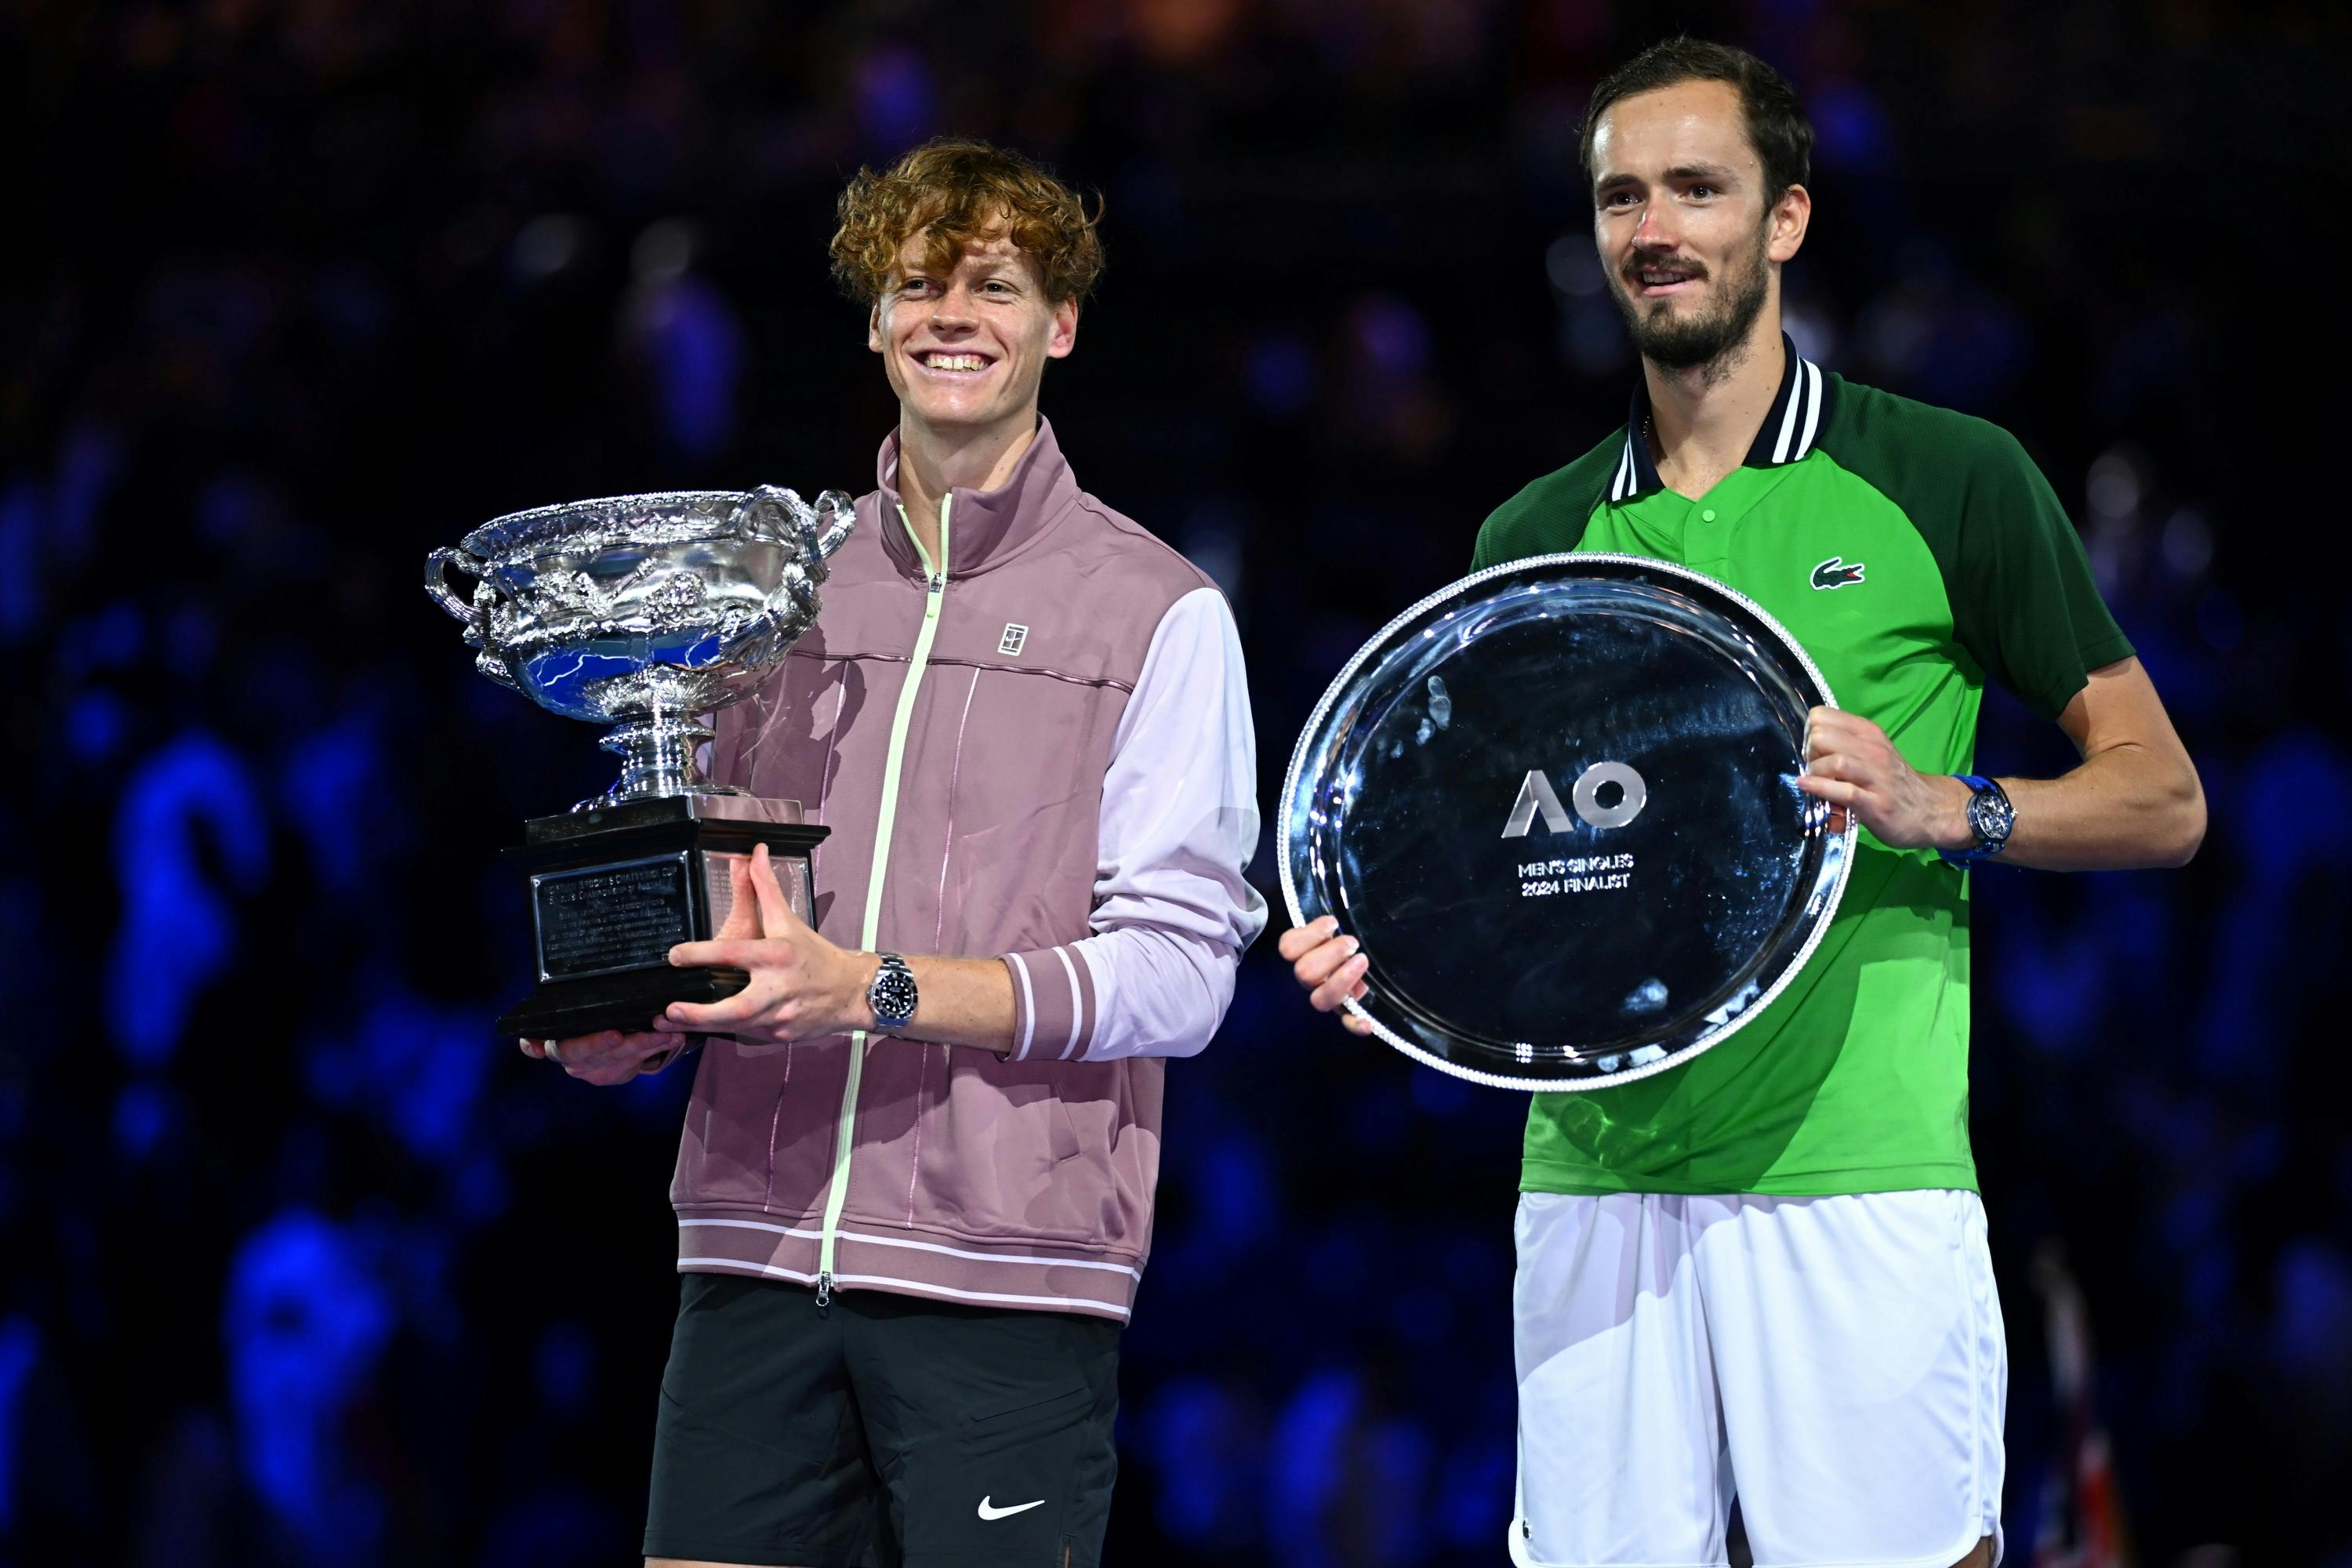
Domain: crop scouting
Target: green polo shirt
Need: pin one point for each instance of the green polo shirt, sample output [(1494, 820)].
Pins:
[(1916, 554)]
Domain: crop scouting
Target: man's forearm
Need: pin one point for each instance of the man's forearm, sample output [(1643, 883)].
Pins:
[(960, 1001), (2123, 808)]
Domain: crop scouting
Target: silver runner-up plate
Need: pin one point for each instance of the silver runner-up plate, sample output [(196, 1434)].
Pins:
[(1557, 804)]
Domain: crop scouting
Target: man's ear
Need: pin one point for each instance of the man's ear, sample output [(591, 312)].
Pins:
[(874, 327), (1791, 215), (1064, 337)]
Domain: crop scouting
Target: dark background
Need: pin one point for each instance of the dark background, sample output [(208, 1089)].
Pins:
[(299, 1264)]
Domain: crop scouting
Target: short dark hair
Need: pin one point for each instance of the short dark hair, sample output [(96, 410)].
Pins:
[(1777, 126)]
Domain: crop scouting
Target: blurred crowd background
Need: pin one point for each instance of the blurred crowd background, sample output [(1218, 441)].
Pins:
[(299, 1265)]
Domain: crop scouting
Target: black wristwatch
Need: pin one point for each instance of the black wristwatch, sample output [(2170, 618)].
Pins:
[(892, 995), (1990, 816)]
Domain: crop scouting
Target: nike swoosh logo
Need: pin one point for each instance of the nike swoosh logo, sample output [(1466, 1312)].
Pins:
[(987, 1512)]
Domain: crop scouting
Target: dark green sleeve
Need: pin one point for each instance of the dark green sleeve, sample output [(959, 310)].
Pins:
[(1548, 516), (1500, 537), (2024, 608), (2023, 602)]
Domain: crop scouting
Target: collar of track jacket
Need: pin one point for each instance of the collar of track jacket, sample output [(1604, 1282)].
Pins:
[(986, 528)]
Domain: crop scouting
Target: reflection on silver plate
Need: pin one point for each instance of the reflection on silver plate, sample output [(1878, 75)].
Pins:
[(1557, 803)]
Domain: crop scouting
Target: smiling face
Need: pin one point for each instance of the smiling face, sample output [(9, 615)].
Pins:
[(965, 350), (1689, 236)]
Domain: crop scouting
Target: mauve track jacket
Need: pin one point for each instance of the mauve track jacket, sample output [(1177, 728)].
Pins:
[(1043, 753)]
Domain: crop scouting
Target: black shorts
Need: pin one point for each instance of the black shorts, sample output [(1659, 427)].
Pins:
[(882, 1430)]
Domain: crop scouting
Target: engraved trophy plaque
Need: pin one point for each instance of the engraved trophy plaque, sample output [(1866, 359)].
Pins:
[(646, 612), (1557, 804)]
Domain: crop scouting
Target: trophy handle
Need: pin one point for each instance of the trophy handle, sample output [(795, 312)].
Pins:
[(796, 593), (819, 529), (769, 512), (838, 514), (436, 583)]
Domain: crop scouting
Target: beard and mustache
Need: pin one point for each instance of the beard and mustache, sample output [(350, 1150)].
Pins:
[(1712, 339)]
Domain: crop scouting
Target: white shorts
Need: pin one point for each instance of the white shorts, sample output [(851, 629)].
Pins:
[(1837, 1363)]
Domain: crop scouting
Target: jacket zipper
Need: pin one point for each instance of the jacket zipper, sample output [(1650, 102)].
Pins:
[(935, 588)]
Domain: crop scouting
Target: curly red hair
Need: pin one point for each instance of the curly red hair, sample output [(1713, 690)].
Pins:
[(955, 192)]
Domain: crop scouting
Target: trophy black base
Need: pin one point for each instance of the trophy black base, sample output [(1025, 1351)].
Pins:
[(614, 888), (563, 1009)]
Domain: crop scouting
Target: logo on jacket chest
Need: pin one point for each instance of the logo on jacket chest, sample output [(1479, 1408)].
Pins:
[(1010, 644)]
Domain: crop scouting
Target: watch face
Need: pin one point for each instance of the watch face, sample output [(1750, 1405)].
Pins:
[(893, 995), (1990, 815)]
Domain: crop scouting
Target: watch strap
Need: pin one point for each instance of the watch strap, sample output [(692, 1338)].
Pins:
[(1982, 850)]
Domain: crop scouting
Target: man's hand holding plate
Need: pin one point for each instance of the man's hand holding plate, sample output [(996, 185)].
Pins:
[(1328, 965), (1851, 763)]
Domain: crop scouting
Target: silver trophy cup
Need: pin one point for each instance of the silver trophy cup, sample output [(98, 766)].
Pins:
[(647, 613)]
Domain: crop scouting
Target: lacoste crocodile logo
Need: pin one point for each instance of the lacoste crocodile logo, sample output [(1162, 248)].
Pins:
[(1836, 573)]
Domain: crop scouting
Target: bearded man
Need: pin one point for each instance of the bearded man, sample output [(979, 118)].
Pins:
[(1765, 1273)]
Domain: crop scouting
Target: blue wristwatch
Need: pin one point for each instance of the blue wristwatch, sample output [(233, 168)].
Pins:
[(1990, 816)]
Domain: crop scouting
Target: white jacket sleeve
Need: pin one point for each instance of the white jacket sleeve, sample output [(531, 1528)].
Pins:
[(1172, 909)]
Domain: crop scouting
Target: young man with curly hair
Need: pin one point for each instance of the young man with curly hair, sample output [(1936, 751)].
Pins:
[(1766, 1273), (916, 1188)]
